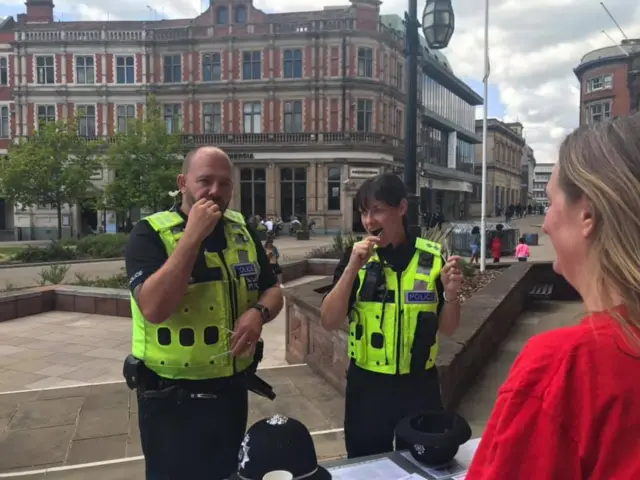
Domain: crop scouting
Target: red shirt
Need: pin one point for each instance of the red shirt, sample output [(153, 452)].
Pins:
[(569, 410)]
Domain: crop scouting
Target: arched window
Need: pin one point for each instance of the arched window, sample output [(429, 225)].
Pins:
[(241, 14), (222, 16)]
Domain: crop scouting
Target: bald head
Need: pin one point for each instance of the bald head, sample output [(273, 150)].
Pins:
[(205, 152), (207, 173)]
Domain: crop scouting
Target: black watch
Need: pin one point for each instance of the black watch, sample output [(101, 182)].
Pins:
[(264, 312)]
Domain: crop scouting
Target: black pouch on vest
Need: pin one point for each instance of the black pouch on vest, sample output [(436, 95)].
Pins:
[(424, 337), (373, 279)]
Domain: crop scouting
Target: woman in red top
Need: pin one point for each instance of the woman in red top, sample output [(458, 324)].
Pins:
[(570, 408)]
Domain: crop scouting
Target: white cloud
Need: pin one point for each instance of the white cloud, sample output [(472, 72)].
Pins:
[(534, 47)]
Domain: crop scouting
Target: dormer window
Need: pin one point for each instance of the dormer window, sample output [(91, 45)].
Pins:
[(241, 14), (222, 16)]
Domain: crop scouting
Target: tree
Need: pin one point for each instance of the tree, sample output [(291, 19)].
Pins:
[(52, 167), (145, 160)]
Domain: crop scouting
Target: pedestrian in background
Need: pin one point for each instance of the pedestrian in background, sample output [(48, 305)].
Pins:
[(522, 250)]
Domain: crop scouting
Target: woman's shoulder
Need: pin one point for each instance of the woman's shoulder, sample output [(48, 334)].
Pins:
[(562, 358)]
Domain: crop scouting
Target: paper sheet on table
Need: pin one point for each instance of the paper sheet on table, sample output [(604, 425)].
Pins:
[(454, 468), (381, 469)]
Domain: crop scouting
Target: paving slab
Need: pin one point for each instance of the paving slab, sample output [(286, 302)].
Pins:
[(96, 423), (56, 349)]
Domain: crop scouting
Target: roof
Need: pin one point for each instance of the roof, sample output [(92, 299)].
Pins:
[(608, 55)]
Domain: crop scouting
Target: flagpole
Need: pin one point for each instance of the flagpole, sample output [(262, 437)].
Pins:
[(487, 68)]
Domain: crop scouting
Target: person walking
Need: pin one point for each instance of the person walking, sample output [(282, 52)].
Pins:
[(201, 291), (569, 407), (398, 292)]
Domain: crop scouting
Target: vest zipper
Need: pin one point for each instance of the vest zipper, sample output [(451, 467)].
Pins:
[(234, 300), (400, 316)]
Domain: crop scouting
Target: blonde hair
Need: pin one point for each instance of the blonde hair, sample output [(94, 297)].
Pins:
[(602, 163)]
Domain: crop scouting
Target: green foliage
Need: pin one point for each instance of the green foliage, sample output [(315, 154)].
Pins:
[(54, 251), (52, 167), (120, 280), (53, 274), (93, 246), (145, 160), (102, 246)]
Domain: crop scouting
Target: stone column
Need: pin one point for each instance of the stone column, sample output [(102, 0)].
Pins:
[(312, 195), (272, 182)]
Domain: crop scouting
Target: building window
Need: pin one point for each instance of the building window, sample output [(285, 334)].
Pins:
[(251, 65), (4, 71), (293, 116), (211, 67), (598, 111), (465, 153), (125, 114), (172, 69), (333, 189), (5, 123), (252, 116), (125, 70), (85, 69), (601, 82), (292, 63), (365, 62), (365, 115), (253, 192), (173, 117), (212, 117), (293, 193), (400, 76), (86, 120), (45, 71), (46, 114), (222, 16), (241, 14), (435, 146)]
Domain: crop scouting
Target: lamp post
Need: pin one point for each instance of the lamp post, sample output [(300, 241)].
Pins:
[(438, 23)]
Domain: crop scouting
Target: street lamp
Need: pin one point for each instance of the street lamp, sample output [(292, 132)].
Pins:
[(438, 23)]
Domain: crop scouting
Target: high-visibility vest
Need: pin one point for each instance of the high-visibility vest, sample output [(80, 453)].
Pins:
[(383, 321), (194, 342)]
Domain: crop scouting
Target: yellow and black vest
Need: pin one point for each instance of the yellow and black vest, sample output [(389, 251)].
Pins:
[(394, 322), (194, 343)]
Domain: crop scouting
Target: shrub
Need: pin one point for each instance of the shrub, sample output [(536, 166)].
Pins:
[(102, 246), (55, 251), (120, 280), (53, 274)]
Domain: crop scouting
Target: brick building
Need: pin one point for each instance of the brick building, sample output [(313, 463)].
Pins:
[(307, 104), (609, 82)]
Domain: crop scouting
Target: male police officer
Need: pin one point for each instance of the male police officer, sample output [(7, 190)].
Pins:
[(201, 290)]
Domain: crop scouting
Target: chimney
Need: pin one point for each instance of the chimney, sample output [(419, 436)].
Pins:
[(39, 11)]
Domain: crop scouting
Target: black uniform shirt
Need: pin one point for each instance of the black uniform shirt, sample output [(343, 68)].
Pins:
[(145, 254)]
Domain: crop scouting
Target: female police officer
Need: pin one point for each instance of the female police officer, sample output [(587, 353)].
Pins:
[(398, 292)]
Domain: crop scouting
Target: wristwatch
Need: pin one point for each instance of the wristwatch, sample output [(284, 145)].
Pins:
[(264, 312)]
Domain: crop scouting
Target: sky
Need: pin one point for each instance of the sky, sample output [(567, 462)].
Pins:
[(533, 46)]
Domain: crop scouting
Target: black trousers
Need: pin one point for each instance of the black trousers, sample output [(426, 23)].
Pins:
[(196, 439), (375, 403)]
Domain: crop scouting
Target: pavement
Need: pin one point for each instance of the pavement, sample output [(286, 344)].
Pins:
[(290, 249)]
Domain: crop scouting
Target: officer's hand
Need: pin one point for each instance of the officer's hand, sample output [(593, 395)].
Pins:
[(452, 276), (362, 251), (246, 334), (203, 218)]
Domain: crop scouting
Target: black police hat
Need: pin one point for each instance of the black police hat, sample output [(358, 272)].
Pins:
[(278, 443), (434, 436)]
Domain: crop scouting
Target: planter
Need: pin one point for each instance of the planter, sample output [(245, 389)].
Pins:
[(303, 235)]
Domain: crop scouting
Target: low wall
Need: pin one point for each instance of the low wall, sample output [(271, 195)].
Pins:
[(107, 301), (486, 319)]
